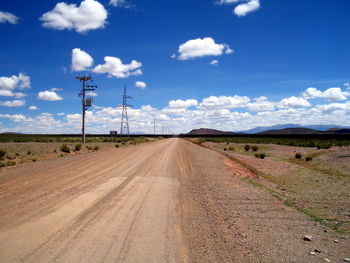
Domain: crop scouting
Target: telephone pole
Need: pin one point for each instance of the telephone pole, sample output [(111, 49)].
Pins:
[(124, 126), (86, 102)]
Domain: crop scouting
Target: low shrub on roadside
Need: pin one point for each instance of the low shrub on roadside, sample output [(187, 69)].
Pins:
[(308, 159), (77, 147), (2, 153), (29, 152), (96, 148), (10, 157), (2, 164), (10, 163), (262, 155), (117, 146), (225, 149), (247, 147), (255, 148), (298, 155), (34, 160), (65, 148), (231, 148)]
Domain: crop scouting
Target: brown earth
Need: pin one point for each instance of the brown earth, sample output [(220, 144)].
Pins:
[(166, 201)]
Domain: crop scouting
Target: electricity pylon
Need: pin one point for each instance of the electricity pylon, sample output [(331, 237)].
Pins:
[(124, 126)]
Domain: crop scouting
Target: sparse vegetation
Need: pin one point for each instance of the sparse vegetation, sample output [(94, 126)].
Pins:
[(10, 163), (247, 147), (255, 148), (77, 147), (65, 148), (320, 141), (262, 155), (2, 153), (298, 155), (308, 159), (117, 146), (96, 148), (2, 164), (231, 148)]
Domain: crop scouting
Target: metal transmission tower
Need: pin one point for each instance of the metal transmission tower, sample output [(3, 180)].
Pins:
[(124, 126), (86, 102)]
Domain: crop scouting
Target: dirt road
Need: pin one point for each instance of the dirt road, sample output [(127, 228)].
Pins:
[(166, 201)]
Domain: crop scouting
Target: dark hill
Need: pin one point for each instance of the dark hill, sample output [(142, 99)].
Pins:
[(205, 131), (291, 131)]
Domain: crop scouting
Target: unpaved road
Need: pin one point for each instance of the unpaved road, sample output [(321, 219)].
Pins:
[(166, 201)]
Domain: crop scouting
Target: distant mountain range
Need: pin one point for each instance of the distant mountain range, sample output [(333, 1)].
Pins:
[(290, 125), (279, 129)]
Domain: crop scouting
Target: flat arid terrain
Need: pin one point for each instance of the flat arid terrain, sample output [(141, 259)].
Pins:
[(173, 200)]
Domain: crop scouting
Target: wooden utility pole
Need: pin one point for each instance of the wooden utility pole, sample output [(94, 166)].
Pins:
[(86, 102)]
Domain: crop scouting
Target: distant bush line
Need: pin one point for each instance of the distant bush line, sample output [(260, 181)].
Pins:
[(66, 139), (320, 143)]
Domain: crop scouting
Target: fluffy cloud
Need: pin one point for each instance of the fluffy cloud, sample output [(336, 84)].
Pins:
[(6, 17), (330, 108), (224, 102), (88, 16), (294, 102), (21, 81), (13, 117), (33, 108), (261, 104), (201, 47), (49, 96), (140, 84), (13, 103), (182, 104), (114, 67), (81, 60), (246, 8), (331, 94)]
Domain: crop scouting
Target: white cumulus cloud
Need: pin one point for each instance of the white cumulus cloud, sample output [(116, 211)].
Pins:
[(331, 94), (114, 67), (201, 47), (49, 96), (88, 16), (182, 104), (224, 102), (293, 101), (246, 8), (33, 108), (81, 60), (140, 84), (22, 81), (6, 17), (261, 104), (13, 103)]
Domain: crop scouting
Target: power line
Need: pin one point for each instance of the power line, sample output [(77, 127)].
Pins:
[(86, 102), (124, 126)]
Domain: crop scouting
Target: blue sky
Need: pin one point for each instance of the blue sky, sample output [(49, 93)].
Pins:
[(229, 65)]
